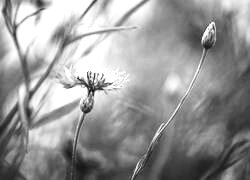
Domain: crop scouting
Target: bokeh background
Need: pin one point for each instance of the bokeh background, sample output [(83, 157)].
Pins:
[(160, 56)]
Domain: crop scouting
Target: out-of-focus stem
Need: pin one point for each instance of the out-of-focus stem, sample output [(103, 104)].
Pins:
[(29, 16), (101, 31), (24, 63), (119, 22), (88, 8), (77, 133)]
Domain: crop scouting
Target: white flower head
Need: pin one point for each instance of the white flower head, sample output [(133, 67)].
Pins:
[(93, 81)]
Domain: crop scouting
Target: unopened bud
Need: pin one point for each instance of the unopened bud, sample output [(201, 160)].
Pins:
[(87, 103), (209, 36)]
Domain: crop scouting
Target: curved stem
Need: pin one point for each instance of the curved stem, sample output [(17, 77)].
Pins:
[(142, 162), (184, 97), (101, 31), (29, 16), (77, 133)]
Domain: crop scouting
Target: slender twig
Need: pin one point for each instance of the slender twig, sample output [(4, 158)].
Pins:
[(22, 98), (130, 12), (101, 31), (77, 133), (119, 22), (29, 16), (24, 62), (16, 12), (14, 109), (142, 162), (87, 9), (22, 56), (12, 29)]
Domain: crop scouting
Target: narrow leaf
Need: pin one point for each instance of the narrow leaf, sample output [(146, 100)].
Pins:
[(55, 114)]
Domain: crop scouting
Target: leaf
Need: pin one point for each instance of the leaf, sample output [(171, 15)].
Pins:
[(100, 31), (55, 114)]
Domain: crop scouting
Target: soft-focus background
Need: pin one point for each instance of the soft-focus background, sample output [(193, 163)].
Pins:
[(160, 56)]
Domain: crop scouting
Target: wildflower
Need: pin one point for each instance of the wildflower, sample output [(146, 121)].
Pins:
[(209, 36), (93, 82)]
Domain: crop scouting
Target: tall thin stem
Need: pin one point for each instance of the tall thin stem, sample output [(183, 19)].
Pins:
[(77, 133), (184, 97), (101, 31), (88, 8), (24, 63), (142, 162)]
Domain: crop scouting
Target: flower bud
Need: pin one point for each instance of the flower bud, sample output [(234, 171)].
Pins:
[(86, 104), (209, 36)]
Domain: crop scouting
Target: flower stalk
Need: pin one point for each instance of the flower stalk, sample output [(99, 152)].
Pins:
[(93, 82), (76, 136), (208, 41)]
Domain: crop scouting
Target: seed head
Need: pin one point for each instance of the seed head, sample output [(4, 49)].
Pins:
[(209, 36)]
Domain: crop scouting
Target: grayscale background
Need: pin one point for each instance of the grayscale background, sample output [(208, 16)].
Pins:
[(160, 56)]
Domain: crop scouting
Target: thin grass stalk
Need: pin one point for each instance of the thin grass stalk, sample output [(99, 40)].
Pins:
[(101, 31), (24, 64), (13, 111), (87, 9), (12, 29), (23, 115), (75, 141), (29, 16), (142, 162), (130, 12), (119, 22)]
